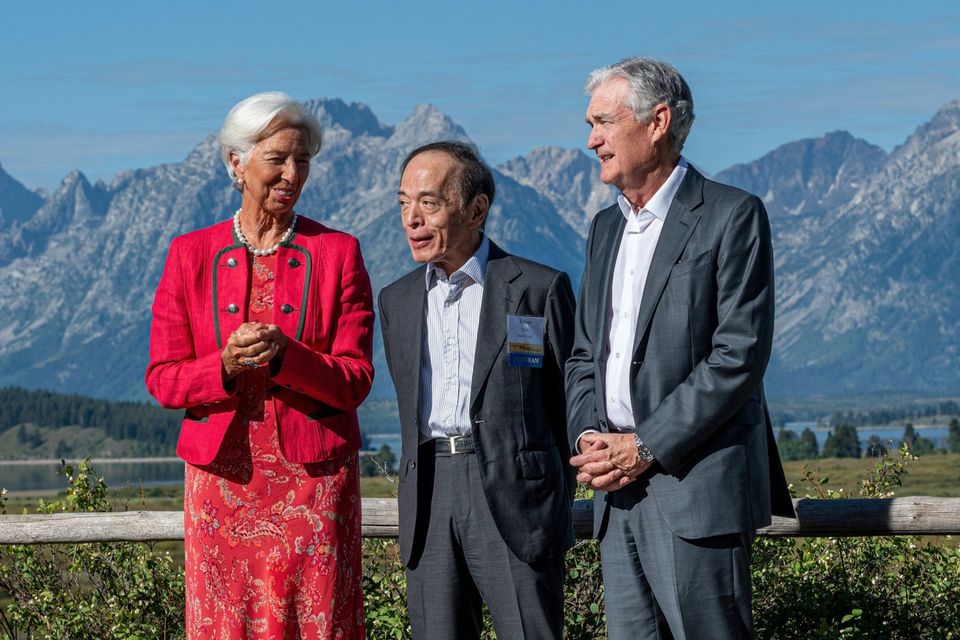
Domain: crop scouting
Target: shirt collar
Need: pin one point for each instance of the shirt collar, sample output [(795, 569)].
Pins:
[(475, 267), (660, 203)]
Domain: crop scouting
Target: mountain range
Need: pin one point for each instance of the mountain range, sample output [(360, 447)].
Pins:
[(863, 243)]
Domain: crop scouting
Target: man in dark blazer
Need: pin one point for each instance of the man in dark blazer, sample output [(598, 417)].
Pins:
[(476, 341), (664, 385)]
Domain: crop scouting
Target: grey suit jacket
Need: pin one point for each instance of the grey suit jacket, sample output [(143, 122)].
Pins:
[(703, 339), (517, 414)]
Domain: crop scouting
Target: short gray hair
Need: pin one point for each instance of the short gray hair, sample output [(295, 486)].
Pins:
[(249, 122), (652, 82)]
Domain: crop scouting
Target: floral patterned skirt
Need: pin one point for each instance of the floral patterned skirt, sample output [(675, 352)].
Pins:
[(272, 547)]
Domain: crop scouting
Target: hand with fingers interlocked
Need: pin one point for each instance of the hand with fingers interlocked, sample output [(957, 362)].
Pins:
[(608, 461), (252, 344)]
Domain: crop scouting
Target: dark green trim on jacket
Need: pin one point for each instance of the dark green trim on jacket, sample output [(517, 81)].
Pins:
[(306, 288), (216, 260)]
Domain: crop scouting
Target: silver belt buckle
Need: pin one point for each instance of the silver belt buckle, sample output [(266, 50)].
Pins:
[(453, 445)]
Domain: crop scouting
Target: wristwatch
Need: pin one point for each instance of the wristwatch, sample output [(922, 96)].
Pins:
[(645, 454)]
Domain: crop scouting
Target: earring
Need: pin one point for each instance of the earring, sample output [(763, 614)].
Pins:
[(238, 184)]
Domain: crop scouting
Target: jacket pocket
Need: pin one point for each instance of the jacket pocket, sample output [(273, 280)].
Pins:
[(702, 261), (325, 411), (194, 416), (533, 464)]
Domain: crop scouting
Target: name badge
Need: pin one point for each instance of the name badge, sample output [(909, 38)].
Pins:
[(525, 341)]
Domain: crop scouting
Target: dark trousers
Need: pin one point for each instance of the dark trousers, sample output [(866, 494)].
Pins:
[(465, 562), (658, 586)]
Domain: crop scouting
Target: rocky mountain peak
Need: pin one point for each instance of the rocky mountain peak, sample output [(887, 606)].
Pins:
[(17, 203), (934, 146), (354, 117), (808, 176), (206, 153), (569, 178), (77, 201), (426, 123)]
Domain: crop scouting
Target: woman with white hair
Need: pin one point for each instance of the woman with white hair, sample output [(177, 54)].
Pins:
[(262, 331)]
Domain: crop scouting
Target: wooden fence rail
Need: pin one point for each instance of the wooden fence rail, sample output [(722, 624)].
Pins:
[(849, 517)]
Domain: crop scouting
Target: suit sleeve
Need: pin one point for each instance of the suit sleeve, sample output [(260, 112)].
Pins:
[(177, 376), (559, 322), (741, 343), (581, 366), (342, 377)]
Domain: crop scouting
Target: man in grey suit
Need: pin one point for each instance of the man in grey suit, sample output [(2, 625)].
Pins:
[(664, 385), (476, 340)]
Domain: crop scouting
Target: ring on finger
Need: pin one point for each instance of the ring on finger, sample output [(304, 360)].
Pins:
[(250, 363)]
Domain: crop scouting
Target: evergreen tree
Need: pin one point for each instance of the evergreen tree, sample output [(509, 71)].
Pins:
[(794, 447), (953, 436), (382, 462), (810, 446), (875, 447), (909, 435), (919, 446), (923, 446), (63, 450), (842, 443), (155, 429)]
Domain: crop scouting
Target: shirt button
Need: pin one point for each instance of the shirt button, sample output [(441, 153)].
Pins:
[(293, 262), (631, 271), (618, 354), (232, 308), (231, 262), (626, 314), (286, 308)]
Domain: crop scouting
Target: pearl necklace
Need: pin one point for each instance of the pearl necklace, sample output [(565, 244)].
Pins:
[(269, 250)]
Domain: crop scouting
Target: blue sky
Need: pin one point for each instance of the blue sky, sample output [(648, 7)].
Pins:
[(105, 86)]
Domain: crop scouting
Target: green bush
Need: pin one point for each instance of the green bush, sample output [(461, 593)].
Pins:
[(89, 591), (891, 587)]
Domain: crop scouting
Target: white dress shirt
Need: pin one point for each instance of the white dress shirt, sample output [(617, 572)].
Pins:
[(637, 245), (451, 322)]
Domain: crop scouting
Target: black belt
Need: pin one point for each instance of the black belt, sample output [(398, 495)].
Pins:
[(453, 445)]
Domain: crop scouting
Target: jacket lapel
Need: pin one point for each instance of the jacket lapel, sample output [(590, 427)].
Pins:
[(679, 225), (229, 274), (606, 263), (500, 299), (408, 336), (295, 269)]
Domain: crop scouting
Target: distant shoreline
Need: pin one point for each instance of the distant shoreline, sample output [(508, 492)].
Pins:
[(13, 463), (812, 426)]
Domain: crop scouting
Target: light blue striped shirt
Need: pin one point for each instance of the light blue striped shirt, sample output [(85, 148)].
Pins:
[(451, 322)]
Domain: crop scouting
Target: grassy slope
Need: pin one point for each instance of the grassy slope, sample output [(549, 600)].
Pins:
[(931, 475)]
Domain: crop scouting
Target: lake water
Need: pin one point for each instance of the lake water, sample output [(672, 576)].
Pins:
[(936, 433), (41, 475), (377, 440)]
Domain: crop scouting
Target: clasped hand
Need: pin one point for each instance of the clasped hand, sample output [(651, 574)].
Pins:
[(253, 344), (608, 461)]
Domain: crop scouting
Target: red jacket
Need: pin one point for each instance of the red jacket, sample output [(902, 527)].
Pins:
[(322, 302)]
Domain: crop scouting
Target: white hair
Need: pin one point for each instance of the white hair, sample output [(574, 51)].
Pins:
[(652, 82), (250, 121)]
